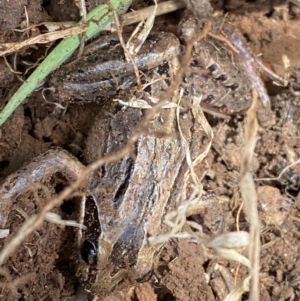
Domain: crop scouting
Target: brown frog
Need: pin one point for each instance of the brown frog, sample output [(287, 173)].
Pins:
[(130, 197), (126, 201), (214, 75)]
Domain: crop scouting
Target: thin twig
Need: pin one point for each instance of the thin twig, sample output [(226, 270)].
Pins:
[(127, 53), (249, 196), (224, 40), (83, 12)]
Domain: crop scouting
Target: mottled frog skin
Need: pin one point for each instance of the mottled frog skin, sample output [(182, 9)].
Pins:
[(131, 198), (215, 75), (103, 71), (126, 201)]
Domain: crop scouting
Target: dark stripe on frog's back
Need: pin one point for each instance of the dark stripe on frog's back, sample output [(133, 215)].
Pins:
[(91, 220)]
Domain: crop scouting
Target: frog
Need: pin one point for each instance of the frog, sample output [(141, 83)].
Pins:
[(126, 201), (122, 214), (215, 74), (131, 196)]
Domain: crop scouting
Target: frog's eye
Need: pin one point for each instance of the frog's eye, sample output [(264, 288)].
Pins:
[(213, 67), (89, 251)]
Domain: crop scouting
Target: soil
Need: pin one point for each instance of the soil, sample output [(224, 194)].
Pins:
[(43, 267)]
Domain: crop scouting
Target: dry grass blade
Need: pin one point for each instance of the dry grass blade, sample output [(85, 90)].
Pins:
[(56, 219), (143, 104), (129, 56), (51, 26), (7, 48), (223, 39), (249, 196), (189, 160), (281, 173), (237, 293), (162, 8), (141, 33)]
